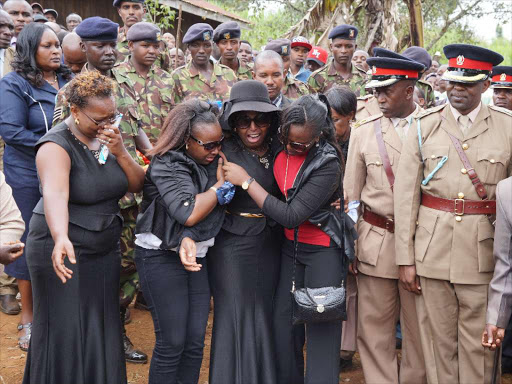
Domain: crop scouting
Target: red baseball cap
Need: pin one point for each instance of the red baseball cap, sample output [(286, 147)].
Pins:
[(300, 41), (318, 55)]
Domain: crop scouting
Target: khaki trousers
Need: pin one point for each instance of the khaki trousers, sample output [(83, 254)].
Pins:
[(349, 330), (426, 340), (8, 284), (456, 315), (379, 300)]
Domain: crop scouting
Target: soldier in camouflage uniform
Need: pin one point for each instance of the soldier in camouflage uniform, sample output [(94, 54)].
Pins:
[(201, 78), (227, 37), (340, 71), (99, 42), (150, 85), (131, 12)]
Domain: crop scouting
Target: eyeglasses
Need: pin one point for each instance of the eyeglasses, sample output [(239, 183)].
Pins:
[(108, 120), (261, 120), (300, 147), (211, 145)]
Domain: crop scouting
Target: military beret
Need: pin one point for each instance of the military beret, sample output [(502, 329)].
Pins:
[(502, 77), (97, 29), (38, 18), (117, 3), (299, 41), (344, 31), (199, 31), (143, 31), (227, 30), (390, 67), (281, 46), (50, 10), (469, 63), (419, 55)]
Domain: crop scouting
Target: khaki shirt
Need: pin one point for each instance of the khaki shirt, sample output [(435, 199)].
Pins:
[(365, 180), (366, 106), (12, 225), (441, 247)]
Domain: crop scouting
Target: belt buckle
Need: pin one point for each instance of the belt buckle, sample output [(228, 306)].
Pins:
[(457, 212)]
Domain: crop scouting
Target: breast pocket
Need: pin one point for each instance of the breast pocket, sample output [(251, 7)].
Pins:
[(432, 156), (492, 165), (375, 170)]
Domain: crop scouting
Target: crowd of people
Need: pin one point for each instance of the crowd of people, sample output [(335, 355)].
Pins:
[(319, 202)]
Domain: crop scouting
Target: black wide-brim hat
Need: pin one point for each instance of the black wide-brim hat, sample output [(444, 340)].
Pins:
[(247, 95)]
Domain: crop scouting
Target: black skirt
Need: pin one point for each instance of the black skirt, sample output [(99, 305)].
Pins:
[(243, 272), (76, 334)]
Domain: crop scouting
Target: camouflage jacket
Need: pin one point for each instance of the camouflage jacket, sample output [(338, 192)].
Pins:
[(428, 90), (190, 83), (163, 61), (327, 77), (244, 72), (293, 88), (153, 96)]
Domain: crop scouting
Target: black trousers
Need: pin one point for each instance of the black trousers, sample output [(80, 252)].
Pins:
[(317, 267), (179, 302)]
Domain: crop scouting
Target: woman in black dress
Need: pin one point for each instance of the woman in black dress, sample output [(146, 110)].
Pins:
[(244, 263), (77, 331)]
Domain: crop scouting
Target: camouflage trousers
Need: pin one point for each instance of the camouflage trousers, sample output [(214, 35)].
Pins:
[(129, 283)]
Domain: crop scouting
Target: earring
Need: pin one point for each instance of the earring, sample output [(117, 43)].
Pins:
[(77, 122), (186, 146), (317, 144)]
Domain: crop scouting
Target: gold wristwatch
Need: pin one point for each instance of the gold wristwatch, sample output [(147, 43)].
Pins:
[(245, 184)]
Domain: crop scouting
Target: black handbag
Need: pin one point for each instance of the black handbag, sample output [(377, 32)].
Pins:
[(316, 305)]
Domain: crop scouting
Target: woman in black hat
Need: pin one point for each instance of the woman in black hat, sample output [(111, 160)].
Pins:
[(243, 265)]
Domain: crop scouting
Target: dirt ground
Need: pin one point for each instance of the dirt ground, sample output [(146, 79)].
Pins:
[(140, 330)]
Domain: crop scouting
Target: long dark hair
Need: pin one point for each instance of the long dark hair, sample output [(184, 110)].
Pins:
[(181, 121), (342, 100), (313, 112), (24, 62)]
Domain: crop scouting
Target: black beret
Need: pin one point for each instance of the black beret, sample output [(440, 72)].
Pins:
[(199, 31), (281, 46), (469, 63), (143, 31), (420, 55), (97, 29), (502, 77), (344, 31), (388, 70), (117, 3), (227, 30)]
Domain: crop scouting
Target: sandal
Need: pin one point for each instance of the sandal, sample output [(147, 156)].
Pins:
[(24, 341)]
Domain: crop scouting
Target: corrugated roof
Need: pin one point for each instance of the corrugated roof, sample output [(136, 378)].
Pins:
[(214, 8)]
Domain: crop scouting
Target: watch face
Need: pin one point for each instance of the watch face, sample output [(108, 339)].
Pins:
[(245, 185)]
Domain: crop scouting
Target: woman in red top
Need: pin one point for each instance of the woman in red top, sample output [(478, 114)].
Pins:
[(307, 171)]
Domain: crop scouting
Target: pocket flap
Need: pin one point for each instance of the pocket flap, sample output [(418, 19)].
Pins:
[(427, 220), (493, 155), (485, 231), (434, 152)]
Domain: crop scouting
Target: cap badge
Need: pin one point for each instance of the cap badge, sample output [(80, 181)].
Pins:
[(374, 69), (316, 53), (351, 33), (158, 35), (460, 60), (503, 77), (284, 49), (206, 36), (227, 36)]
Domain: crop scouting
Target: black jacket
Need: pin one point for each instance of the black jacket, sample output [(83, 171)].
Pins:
[(171, 184)]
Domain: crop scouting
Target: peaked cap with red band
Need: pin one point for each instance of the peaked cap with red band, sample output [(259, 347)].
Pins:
[(501, 77), (469, 63), (389, 67)]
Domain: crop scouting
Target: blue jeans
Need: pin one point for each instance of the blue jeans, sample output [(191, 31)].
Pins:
[(179, 302)]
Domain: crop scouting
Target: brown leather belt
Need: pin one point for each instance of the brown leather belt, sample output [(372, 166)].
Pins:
[(379, 221), (459, 206)]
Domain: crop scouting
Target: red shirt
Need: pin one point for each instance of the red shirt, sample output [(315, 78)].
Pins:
[(286, 169)]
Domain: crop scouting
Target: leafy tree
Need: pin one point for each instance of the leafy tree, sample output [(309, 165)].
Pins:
[(160, 14)]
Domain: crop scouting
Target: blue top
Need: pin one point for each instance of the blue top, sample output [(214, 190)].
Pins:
[(26, 114), (303, 74)]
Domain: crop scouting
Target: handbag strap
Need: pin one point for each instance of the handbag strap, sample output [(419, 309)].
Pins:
[(479, 187), (384, 153), (295, 250)]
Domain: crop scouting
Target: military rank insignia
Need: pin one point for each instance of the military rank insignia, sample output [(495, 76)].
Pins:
[(284, 49), (207, 36), (351, 33), (227, 36)]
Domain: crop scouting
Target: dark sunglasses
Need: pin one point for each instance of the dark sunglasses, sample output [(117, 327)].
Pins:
[(261, 120), (297, 147), (108, 120), (211, 145)]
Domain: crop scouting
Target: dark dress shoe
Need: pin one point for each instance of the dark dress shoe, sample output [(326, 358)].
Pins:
[(9, 305), (345, 364), (131, 354), (140, 302), (127, 316)]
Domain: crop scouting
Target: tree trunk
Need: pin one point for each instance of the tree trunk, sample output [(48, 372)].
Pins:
[(415, 22)]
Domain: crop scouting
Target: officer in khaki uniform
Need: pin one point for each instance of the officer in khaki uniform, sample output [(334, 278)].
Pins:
[(373, 159), (444, 208), (502, 86)]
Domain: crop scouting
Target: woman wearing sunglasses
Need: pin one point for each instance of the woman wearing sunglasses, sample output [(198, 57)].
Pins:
[(179, 221), (76, 336), (244, 263), (308, 172)]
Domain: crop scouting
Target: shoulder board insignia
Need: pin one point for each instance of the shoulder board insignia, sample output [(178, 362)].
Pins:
[(500, 109), (57, 114), (367, 120), (431, 110)]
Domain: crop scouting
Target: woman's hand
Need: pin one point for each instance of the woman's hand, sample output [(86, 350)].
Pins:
[(62, 249), (234, 173), (220, 172), (111, 137), (188, 255)]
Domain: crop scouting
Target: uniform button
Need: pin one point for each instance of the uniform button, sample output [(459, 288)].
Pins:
[(377, 162), (465, 146), (319, 224), (460, 195), (464, 170), (186, 203), (433, 157), (458, 219), (492, 161), (417, 223)]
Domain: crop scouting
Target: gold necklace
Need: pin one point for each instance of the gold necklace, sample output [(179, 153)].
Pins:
[(55, 79)]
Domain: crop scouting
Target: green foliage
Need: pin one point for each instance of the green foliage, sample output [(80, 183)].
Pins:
[(160, 14), (502, 46)]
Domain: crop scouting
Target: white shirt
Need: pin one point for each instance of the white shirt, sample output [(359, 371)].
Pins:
[(150, 241)]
